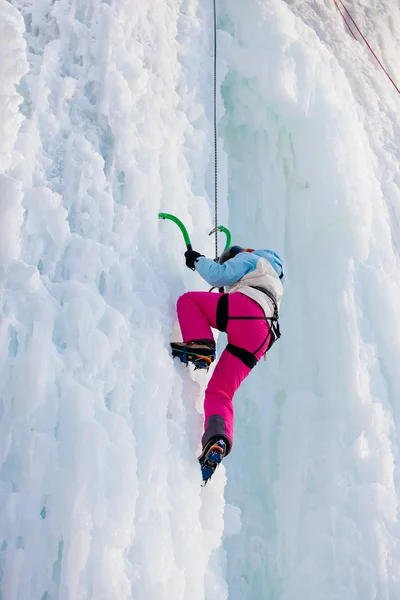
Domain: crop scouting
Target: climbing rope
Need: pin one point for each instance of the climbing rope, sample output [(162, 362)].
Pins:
[(215, 135), (345, 20), (365, 40)]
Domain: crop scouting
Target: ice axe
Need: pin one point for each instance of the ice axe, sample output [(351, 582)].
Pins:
[(181, 227), (226, 232), (186, 235)]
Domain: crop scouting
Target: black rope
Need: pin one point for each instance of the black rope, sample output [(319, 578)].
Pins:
[(215, 133)]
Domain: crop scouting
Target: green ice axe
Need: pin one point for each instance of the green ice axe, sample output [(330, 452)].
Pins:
[(181, 227), (186, 235), (226, 232)]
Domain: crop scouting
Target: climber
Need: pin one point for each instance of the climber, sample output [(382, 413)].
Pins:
[(248, 312)]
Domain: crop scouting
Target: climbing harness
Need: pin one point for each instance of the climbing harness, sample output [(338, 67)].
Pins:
[(247, 357), (273, 321)]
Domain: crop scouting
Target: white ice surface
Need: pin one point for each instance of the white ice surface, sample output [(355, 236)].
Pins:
[(106, 119)]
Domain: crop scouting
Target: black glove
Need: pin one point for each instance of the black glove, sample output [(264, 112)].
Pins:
[(191, 257)]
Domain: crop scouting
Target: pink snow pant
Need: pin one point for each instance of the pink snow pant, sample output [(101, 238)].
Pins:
[(197, 313)]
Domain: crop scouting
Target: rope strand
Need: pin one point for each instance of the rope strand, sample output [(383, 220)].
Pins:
[(345, 20), (215, 134)]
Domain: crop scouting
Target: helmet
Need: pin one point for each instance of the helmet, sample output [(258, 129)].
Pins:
[(229, 253)]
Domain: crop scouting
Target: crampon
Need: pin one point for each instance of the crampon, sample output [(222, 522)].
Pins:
[(210, 458), (200, 354)]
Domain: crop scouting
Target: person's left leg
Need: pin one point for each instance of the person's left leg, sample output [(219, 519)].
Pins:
[(197, 313), (251, 335), (218, 406)]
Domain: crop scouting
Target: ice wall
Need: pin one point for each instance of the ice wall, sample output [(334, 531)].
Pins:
[(100, 487), (310, 132)]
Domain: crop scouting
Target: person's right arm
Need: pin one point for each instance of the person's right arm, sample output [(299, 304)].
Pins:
[(229, 273)]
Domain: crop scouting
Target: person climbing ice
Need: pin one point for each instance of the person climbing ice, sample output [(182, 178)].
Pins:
[(248, 313)]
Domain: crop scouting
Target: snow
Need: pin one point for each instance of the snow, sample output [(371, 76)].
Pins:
[(106, 120)]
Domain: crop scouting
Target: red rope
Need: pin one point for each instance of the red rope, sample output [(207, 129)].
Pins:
[(366, 41), (345, 20)]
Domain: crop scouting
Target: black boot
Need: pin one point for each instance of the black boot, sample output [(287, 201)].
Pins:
[(212, 455)]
